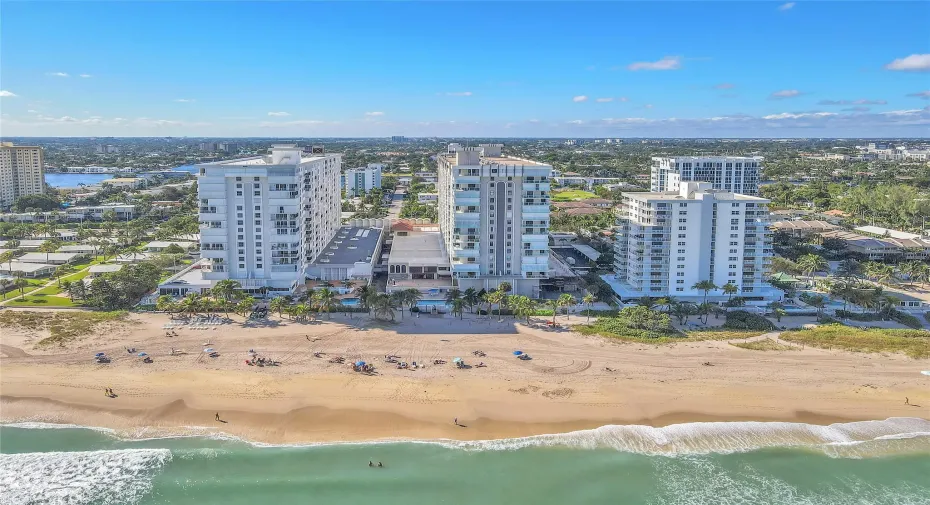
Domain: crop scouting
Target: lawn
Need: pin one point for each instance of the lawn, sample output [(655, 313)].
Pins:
[(914, 343), (45, 297), (571, 195)]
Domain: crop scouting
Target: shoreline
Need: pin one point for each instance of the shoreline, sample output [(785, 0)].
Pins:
[(574, 382)]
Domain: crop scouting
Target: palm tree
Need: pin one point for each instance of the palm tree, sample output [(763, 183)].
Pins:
[(705, 286), (778, 310), (458, 307), (703, 310), (646, 301), (554, 305), (227, 290), (729, 289), (365, 294), (848, 268), (566, 300), (524, 306), (246, 305), (505, 287), (164, 303), (48, 247), (496, 297), (452, 295), (681, 310), (278, 304), (190, 304), (818, 302), (65, 287), (61, 271), (7, 257), (471, 298), (326, 300), (20, 283), (588, 300), (383, 305), (810, 263)]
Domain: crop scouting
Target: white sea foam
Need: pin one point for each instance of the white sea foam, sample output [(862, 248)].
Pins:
[(851, 440), (77, 478)]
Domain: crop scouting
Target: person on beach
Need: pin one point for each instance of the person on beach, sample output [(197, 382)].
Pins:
[(456, 421), (907, 401), (217, 416)]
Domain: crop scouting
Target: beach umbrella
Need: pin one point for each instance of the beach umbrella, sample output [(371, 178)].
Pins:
[(359, 363), (457, 360), (142, 354), (208, 349), (517, 353), (926, 372), (99, 354)]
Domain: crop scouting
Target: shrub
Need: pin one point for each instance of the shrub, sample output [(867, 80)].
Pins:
[(742, 320), (906, 319)]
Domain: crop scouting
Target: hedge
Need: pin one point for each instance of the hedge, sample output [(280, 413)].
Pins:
[(743, 320)]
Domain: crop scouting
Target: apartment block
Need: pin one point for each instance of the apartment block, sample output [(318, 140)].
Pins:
[(358, 181), (666, 242), (264, 219), (739, 174), (22, 172), (494, 217)]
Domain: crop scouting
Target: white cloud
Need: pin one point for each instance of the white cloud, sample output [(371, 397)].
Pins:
[(608, 99), (532, 121), (925, 95), (648, 106), (184, 100), (576, 121), (666, 63), (724, 85), (374, 113), (458, 93), (6, 94), (580, 98), (32, 111), (786, 6), (279, 114), (789, 115), (57, 74), (623, 99), (85, 76), (914, 62), (856, 109), (785, 93)]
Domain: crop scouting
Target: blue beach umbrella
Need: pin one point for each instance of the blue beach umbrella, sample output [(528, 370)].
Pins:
[(99, 354), (457, 360), (359, 363), (142, 354), (517, 353)]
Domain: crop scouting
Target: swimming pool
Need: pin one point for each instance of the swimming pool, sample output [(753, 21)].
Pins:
[(431, 303), (349, 302)]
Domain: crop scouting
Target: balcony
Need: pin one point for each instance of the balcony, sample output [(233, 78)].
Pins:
[(531, 186), (535, 209)]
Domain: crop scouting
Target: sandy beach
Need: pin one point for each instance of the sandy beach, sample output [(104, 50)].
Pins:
[(566, 386)]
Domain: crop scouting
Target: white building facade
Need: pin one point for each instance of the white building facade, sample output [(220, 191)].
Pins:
[(738, 174), (666, 242), (358, 181), (494, 218), (22, 172), (264, 219)]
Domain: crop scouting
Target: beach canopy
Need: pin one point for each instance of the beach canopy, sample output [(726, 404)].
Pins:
[(457, 360), (926, 372), (142, 354), (99, 354), (517, 353), (208, 349), (359, 363)]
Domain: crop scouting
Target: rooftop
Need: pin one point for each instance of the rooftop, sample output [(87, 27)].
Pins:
[(39, 257), (418, 248), (812, 226), (107, 268), (674, 195), (887, 232), (350, 245), (19, 266)]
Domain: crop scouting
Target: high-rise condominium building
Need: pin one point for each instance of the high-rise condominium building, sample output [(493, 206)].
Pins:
[(739, 174), (357, 181), (666, 242), (494, 217), (22, 172), (264, 219)]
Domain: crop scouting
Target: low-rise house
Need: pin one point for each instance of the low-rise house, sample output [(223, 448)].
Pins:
[(98, 270), (157, 246), (30, 270), (55, 258)]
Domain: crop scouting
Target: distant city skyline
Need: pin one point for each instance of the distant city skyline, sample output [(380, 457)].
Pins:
[(523, 69)]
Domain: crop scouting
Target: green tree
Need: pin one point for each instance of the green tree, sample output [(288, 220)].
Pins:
[(496, 297), (164, 303), (7, 257), (326, 300), (458, 307), (48, 247), (730, 289), (777, 309), (471, 298), (524, 306), (706, 286), (811, 263), (588, 300), (365, 294), (554, 306), (382, 306), (566, 300)]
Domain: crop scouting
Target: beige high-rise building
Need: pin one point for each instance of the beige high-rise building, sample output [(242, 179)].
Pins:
[(22, 172)]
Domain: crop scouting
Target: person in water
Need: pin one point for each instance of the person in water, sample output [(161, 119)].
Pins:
[(380, 465), (370, 463)]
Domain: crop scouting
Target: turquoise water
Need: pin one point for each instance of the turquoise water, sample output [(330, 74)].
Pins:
[(83, 466)]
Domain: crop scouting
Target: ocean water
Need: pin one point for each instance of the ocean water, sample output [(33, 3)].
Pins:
[(880, 462), (75, 180)]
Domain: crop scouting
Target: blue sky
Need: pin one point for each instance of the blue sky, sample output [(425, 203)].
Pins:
[(746, 68)]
